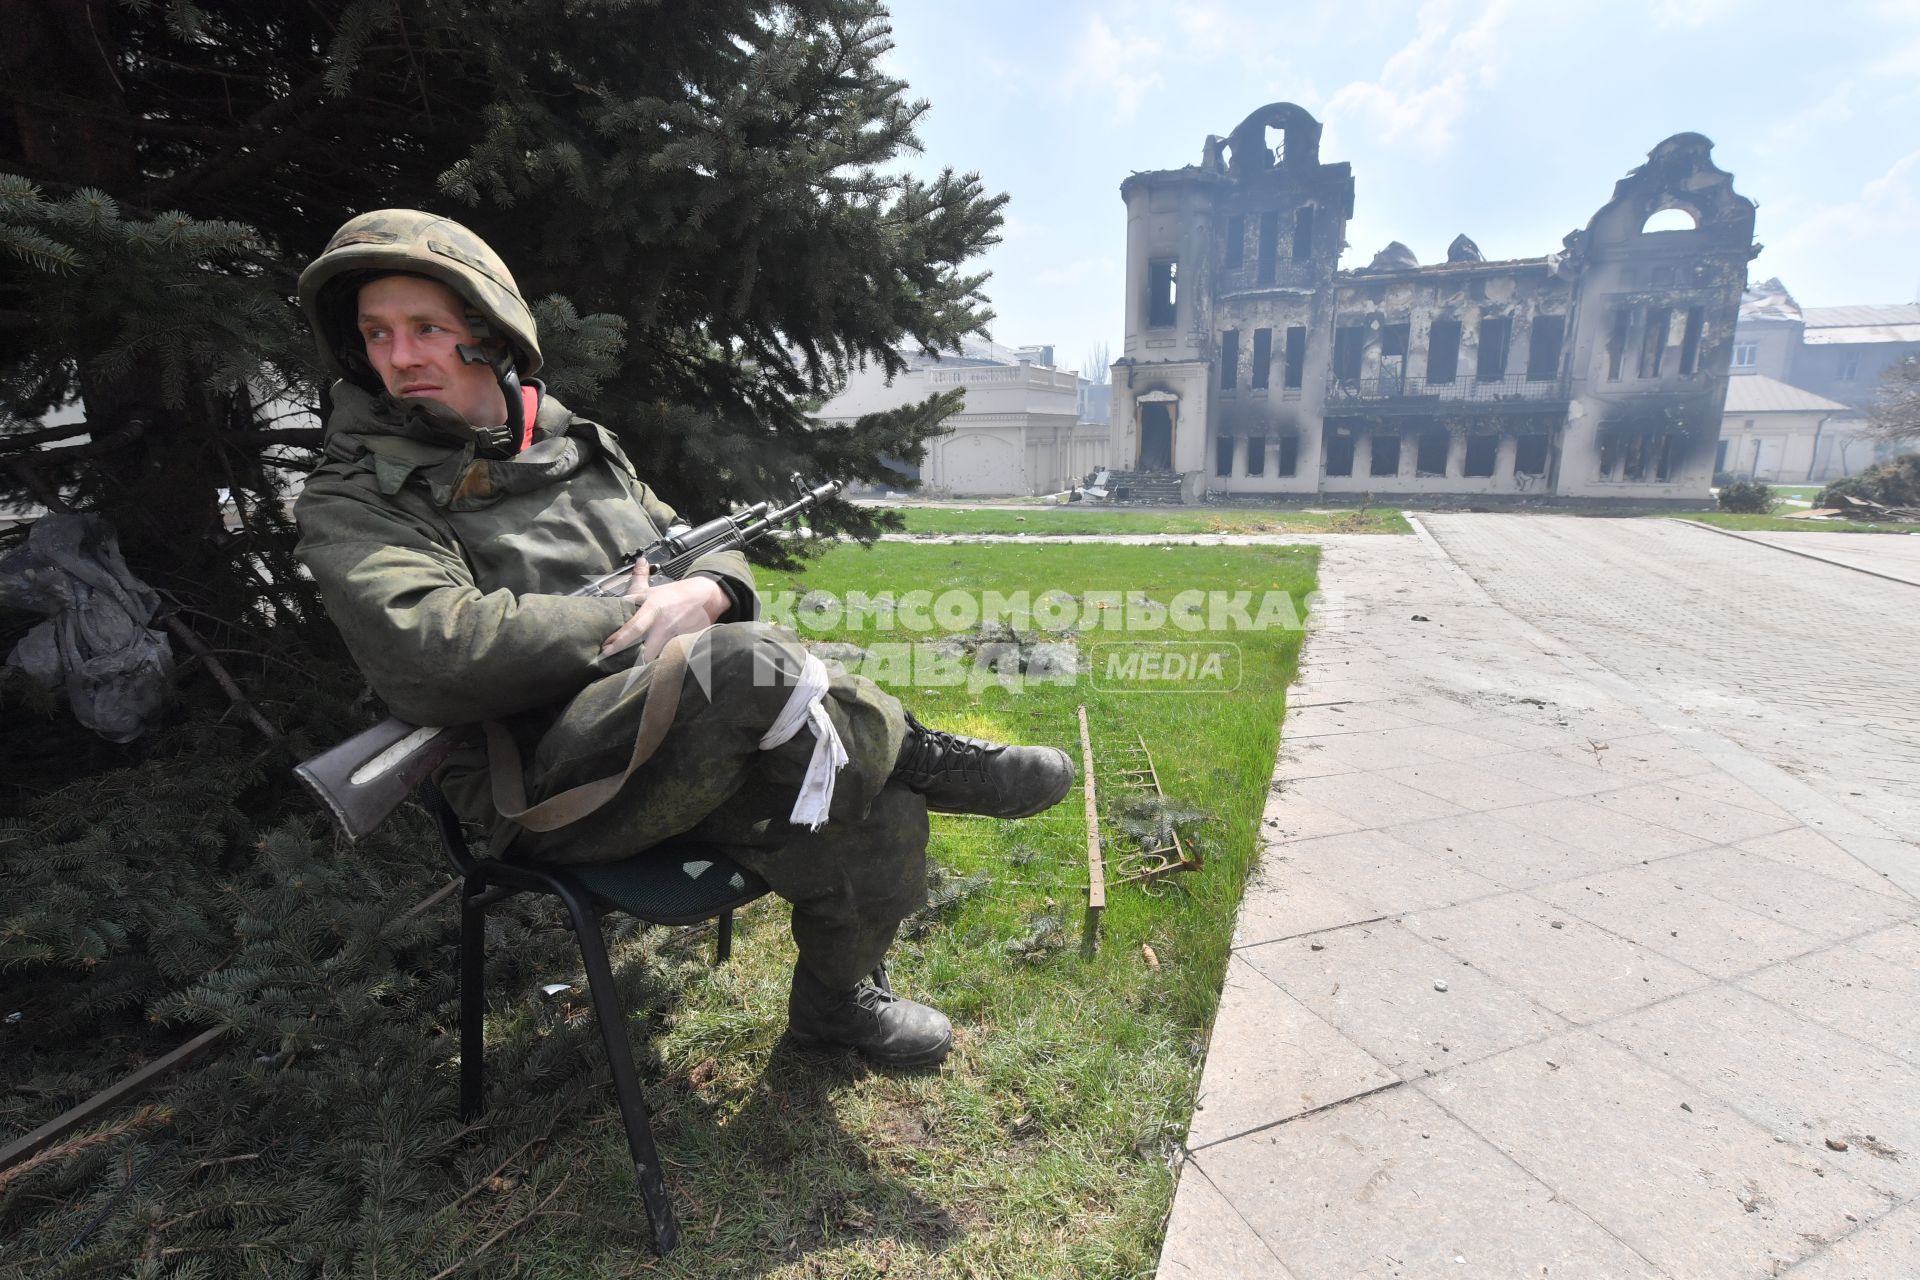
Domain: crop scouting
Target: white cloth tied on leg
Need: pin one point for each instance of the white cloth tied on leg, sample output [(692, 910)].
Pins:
[(806, 707)]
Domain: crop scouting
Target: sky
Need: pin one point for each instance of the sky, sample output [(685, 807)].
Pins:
[(1507, 120)]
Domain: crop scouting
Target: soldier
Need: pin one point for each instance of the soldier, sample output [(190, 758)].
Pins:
[(456, 507)]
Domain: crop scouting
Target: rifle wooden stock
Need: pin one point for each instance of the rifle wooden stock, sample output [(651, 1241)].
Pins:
[(365, 778)]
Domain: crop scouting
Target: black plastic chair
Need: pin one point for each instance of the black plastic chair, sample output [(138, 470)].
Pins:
[(674, 884)]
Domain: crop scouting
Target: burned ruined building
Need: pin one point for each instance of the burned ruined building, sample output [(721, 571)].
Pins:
[(1254, 365)]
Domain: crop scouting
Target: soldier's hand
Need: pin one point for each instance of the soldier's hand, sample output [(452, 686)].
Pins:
[(666, 610)]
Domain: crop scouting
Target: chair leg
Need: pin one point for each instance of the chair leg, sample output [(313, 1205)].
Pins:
[(626, 1080), (473, 1000), (723, 937)]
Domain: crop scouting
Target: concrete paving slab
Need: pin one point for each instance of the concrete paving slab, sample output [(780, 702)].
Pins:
[(1853, 991), (1378, 872), (1699, 1190), (1649, 756), (1804, 900), (1371, 801), (1561, 772), (1899, 945), (1377, 985), (1390, 1185), (1283, 902), (1690, 813), (1588, 825), (1396, 748), (1718, 786), (1469, 785), (1432, 709), (1308, 758), (1560, 962), (1888, 1248), (1800, 1081), (1810, 851), (1725, 823), (1512, 856), (1207, 1239), (1271, 1059), (1337, 717), (1534, 731), (1647, 905), (1292, 816), (1313, 693)]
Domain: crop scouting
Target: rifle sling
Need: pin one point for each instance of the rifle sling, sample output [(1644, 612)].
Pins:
[(656, 717)]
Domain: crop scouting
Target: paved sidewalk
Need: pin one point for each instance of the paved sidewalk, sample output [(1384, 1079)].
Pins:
[(1540, 978)]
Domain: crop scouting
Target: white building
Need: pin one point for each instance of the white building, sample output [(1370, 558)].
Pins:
[(1019, 433), (1804, 383), (1783, 434)]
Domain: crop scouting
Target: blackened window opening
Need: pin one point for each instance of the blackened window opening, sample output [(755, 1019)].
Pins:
[(1431, 457), (1287, 460), (1303, 233), (1443, 352), (1690, 342), (1256, 455), (1530, 456), (1163, 292), (1653, 343), (1296, 355), (1349, 342), (1617, 341), (1229, 359), (1223, 455), (1339, 455), (1386, 454), (1269, 245), (1258, 375), (1481, 450), (1495, 334), (1543, 348)]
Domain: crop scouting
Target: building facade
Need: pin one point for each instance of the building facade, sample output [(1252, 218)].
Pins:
[(1782, 434), (1254, 364), (1019, 433), (1826, 362)]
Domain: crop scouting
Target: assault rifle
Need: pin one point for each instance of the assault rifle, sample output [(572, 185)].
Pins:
[(366, 777)]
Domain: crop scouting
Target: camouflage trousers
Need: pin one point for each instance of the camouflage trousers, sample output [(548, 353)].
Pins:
[(851, 882)]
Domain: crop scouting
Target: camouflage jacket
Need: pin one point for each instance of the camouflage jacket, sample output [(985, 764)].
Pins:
[(449, 575)]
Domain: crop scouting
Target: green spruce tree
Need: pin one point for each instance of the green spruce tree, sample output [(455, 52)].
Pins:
[(708, 203)]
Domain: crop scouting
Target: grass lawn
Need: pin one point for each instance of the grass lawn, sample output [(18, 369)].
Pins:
[(1041, 1149), (1779, 524), (1078, 519)]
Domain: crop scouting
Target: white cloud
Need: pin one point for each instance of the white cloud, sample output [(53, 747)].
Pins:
[(1120, 65), (1691, 14), (1425, 88), (1884, 213)]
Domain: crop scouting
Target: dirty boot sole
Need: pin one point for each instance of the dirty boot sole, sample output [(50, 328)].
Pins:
[(928, 1057)]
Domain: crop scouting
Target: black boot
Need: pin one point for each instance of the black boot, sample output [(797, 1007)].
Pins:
[(972, 775), (889, 1030)]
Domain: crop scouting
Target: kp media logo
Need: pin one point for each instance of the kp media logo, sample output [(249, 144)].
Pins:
[(1166, 666)]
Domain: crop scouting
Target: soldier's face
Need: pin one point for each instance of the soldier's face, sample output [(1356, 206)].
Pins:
[(411, 327)]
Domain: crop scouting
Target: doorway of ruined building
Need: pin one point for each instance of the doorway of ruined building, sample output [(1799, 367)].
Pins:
[(1156, 436)]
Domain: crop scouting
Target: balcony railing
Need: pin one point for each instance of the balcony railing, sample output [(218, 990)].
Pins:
[(1392, 386)]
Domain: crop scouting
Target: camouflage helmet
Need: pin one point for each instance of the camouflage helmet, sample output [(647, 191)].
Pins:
[(411, 242)]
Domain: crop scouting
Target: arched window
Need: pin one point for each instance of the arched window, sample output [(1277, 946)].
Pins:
[(1671, 219)]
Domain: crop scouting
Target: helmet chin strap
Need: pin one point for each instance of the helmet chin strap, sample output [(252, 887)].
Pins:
[(500, 441)]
